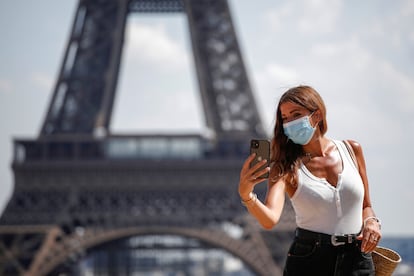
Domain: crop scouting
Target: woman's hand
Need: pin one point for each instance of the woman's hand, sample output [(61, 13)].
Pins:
[(250, 177), (371, 235)]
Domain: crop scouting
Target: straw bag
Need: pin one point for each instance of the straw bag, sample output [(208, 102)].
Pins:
[(385, 261)]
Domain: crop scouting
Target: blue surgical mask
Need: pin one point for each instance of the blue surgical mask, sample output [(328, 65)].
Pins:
[(300, 131)]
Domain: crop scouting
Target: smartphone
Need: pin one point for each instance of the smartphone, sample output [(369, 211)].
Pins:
[(262, 150)]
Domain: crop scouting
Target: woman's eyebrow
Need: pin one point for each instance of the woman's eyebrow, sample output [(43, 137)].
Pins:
[(295, 110)]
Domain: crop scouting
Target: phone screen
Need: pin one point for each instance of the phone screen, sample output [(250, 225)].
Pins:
[(262, 150)]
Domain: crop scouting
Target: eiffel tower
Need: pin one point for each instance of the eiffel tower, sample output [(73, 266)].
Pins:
[(81, 192)]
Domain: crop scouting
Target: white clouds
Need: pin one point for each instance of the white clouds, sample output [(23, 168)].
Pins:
[(6, 86), (306, 17), (319, 16), (393, 28), (155, 87), (354, 80), (399, 85), (275, 18), (362, 66), (43, 81), (275, 73), (38, 81), (370, 89), (271, 82), (326, 49), (407, 8), (350, 54), (152, 45), (410, 37)]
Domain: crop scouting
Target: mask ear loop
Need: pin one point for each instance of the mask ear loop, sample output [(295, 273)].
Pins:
[(309, 117)]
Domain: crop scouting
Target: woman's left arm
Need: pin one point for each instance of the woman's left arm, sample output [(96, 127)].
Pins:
[(371, 231)]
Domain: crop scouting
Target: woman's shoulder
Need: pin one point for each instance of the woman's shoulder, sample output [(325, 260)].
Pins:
[(356, 146), (355, 149)]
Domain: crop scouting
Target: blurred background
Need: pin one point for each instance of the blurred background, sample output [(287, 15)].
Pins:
[(358, 55)]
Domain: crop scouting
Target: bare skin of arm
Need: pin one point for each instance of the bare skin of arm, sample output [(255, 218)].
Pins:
[(269, 212), (372, 227)]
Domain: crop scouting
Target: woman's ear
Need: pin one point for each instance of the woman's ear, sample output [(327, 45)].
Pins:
[(317, 117)]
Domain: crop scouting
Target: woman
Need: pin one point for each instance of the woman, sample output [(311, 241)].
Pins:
[(327, 184)]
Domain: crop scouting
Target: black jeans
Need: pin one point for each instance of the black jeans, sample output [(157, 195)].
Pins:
[(311, 257)]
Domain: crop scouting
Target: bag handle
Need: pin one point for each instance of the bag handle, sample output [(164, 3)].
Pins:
[(351, 153)]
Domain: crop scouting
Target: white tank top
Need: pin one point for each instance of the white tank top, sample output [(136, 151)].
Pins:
[(323, 208)]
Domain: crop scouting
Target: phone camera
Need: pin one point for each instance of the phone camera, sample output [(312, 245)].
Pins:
[(255, 144)]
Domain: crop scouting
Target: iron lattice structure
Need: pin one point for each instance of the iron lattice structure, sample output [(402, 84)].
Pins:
[(77, 186)]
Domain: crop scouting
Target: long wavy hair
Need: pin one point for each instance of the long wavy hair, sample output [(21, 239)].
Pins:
[(286, 154)]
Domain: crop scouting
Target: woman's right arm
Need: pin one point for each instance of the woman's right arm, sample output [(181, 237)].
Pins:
[(268, 213)]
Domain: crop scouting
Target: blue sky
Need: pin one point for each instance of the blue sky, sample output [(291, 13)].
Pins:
[(357, 54)]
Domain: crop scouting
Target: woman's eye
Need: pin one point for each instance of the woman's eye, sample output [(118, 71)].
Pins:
[(297, 115), (292, 117)]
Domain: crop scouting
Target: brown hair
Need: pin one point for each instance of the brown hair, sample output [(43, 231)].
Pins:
[(285, 153)]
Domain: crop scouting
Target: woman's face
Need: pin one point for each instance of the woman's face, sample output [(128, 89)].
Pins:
[(291, 111)]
